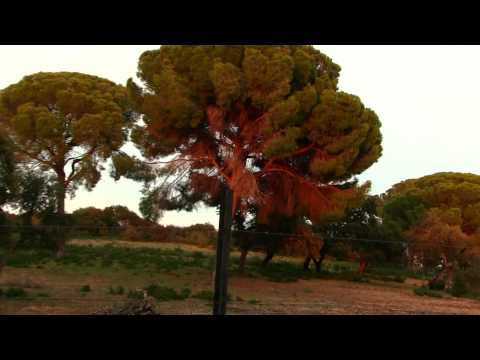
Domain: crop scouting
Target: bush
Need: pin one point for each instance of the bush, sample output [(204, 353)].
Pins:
[(459, 287), (204, 295), (13, 293), (164, 293), (85, 289), (208, 295), (439, 285), (119, 290), (135, 294), (425, 291)]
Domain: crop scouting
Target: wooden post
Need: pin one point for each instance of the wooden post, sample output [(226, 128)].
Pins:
[(223, 253)]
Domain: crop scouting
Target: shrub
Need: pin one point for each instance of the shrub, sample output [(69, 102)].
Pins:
[(164, 293), (459, 287), (439, 285), (85, 289), (119, 290), (425, 291), (208, 295), (13, 293), (135, 294), (204, 295)]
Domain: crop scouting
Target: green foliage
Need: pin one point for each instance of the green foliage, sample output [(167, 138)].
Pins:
[(43, 295), (424, 291), (208, 295), (135, 294), (85, 289), (455, 196), (36, 193), (119, 290), (204, 295), (14, 293), (460, 286), (7, 169), (401, 214), (66, 120), (437, 285), (277, 105), (165, 293)]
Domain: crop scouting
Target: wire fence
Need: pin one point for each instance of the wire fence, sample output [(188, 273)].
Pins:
[(405, 267), (119, 228)]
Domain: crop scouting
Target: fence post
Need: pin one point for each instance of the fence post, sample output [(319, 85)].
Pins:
[(223, 252)]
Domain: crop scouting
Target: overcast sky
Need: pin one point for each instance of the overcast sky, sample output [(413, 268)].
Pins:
[(427, 98)]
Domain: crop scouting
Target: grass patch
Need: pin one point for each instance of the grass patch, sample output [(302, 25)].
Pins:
[(254, 302), (208, 296), (119, 290), (104, 257), (85, 289), (14, 293), (165, 293), (135, 294), (42, 295), (204, 295), (425, 291)]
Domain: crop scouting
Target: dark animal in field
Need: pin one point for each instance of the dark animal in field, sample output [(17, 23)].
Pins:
[(302, 242)]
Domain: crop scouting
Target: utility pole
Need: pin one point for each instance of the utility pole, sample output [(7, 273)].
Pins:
[(223, 253)]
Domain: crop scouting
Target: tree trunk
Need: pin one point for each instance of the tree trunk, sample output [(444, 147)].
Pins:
[(59, 232), (61, 194), (243, 260), (323, 254)]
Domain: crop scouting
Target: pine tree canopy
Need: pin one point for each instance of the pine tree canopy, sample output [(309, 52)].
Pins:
[(268, 120), (66, 122), (454, 197)]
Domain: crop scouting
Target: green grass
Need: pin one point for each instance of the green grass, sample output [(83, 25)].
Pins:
[(165, 293), (14, 293), (43, 295), (119, 290), (204, 295), (208, 296), (85, 289), (141, 261), (103, 257), (425, 291), (134, 294)]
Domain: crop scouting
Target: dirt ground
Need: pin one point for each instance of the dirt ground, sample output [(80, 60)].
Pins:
[(250, 295)]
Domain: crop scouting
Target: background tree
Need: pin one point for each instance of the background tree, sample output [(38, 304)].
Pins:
[(453, 192), (267, 121), (7, 169), (7, 184), (35, 198), (433, 210), (68, 123)]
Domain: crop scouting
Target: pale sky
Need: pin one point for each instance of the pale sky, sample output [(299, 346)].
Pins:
[(426, 97)]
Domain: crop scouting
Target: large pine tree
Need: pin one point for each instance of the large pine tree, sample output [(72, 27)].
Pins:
[(268, 121)]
